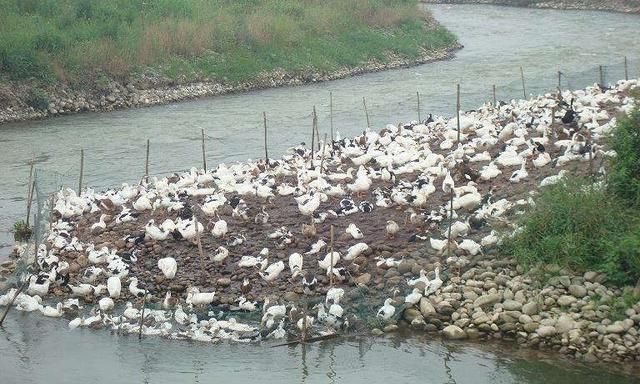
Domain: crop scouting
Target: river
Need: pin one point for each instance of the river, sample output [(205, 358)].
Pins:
[(497, 40)]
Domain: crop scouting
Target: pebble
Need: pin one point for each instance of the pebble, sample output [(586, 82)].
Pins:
[(577, 290), (511, 305), (531, 308), (363, 279), (546, 331), (426, 308), (566, 300), (487, 300)]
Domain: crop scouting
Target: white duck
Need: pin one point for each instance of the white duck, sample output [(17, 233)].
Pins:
[(219, 228), (356, 250), (272, 272), (392, 228), (295, 264), (168, 266), (520, 174), (414, 297), (386, 311), (330, 260), (114, 286), (220, 254), (51, 311), (106, 304), (354, 231), (434, 284)]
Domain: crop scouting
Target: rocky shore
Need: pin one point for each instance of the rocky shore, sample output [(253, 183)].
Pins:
[(151, 90), (609, 6)]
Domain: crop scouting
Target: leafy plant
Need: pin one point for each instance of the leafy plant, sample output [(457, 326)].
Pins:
[(37, 99), (21, 231)]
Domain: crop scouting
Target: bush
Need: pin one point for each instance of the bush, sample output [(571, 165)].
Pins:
[(624, 177), (21, 231), (581, 226), (37, 99)]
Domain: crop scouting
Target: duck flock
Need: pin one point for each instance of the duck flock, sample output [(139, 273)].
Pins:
[(245, 251)]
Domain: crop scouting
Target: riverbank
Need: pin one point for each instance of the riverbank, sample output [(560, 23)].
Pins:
[(65, 57), (157, 90), (609, 6), (481, 292)]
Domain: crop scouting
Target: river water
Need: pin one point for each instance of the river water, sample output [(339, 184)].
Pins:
[(498, 41)]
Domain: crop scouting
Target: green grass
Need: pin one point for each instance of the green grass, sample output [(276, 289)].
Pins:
[(77, 41), (585, 227)]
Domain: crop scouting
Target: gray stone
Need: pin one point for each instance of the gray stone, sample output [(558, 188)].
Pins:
[(616, 327), (363, 279), (525, 319), (546, 331), (511, 305), (565, 280), (531, 308), (577, 290), (566, 300), (591, 276), (426, 308), (411, 314), (564, 324), (530, 327), (454, 332), (390, 328), (489, 299)]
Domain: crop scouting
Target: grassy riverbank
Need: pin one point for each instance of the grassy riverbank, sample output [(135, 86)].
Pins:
[(84, 42)]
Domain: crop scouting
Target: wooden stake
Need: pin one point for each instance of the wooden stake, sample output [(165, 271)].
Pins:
[(601, 76), (315, 126), (553, 121), (146, 163), (626, 69), (144, 302), (458, 109), (418, 96), (450, 222), (524, 89), (313, 136), (200, 251), (13, 299), (495, 102), (30, 200), (204, 154), (559, 80), (331, 263), (366, 112), (266, 154), (331, 113), (81, 171), (30, 188)]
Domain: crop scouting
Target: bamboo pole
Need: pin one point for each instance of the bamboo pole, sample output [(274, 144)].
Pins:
[(418, 97), (266, 154), (30, 200), (30, 188), (146, 163), (81, 171), (450, 222), (315, 127), (313, 137), (204, 153), (331, 113), (495, 102), (553, 121), (559, 80), (601, 76), (199, 241), (331, 253), (524, 89), (13, 299), (366, 112), (458, 109), (144, 303), (626, 69)]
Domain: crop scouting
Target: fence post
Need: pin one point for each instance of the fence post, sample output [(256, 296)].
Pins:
[(458, 109), (601, 77), (204, 154), (81, 171), (266, 154), (495, 103), (331, 257), (30, 188), (313, 134), (524, 89), (366, 112), (146, 163), (331, 113), (626, 69), (315, 127), (559, 80), (418, 95)]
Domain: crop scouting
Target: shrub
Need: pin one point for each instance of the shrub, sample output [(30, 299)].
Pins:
[(21, 231), (37, 99), (581, 226), (624, 177)]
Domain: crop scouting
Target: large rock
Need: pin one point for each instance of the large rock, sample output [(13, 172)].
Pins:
[(411, 314), (489, 299), (531, 308), (577, 290), (566, 300), (363, 279), (426, 308), (616, 327), (564, 324), (511, 305), (546, 331), (454, 332)]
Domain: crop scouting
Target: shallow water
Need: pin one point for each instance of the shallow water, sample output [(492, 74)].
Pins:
[(38, 350), (497, 42)]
